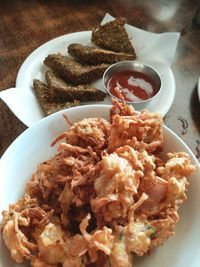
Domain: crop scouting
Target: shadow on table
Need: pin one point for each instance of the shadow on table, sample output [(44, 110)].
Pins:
[(195, 108)]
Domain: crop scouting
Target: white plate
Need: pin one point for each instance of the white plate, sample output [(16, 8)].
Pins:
[(22, 157), (199, 88), (33, 67)]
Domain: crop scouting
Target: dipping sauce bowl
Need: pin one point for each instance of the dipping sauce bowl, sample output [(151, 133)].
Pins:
[(132, 81)]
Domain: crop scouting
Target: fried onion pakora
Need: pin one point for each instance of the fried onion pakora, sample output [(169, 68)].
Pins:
[(106, 195)]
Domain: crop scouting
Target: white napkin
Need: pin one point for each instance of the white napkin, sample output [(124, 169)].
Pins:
[(23, 103), (155, 49)]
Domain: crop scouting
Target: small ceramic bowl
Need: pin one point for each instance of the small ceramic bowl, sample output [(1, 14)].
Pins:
[(135, 66)]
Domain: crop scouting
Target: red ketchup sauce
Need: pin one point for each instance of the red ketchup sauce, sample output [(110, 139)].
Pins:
[(132, 86)]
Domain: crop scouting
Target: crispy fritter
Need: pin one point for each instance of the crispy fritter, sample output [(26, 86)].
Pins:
[(140, 131), (91, 132), (93, 55), (113, 36)]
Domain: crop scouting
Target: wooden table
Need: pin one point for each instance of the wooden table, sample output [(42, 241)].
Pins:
[(25, 25)]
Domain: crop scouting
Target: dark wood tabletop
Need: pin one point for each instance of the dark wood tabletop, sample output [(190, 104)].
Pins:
[(25, 25)]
